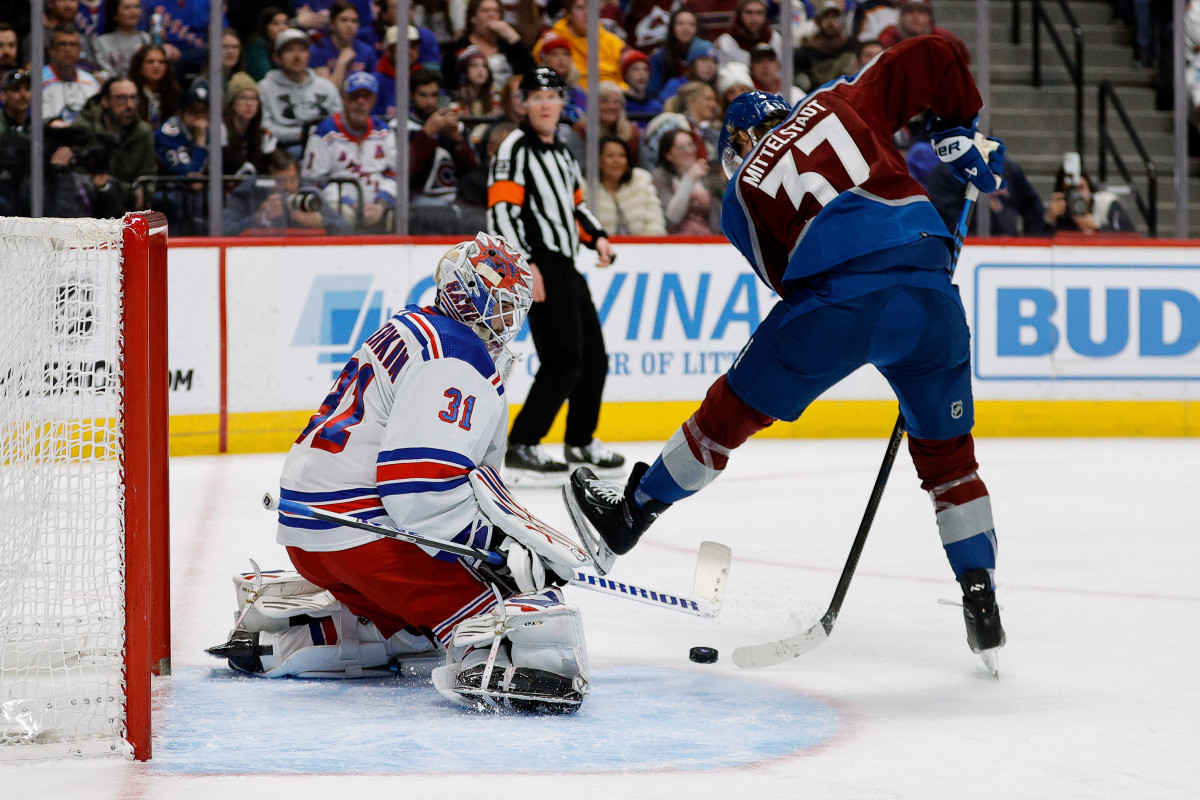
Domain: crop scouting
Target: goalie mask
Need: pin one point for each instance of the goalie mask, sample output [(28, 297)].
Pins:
[(486, 284), (746, 112)]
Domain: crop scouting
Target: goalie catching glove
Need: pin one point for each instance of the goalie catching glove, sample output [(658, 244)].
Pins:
[(532, 547), (971, 157)]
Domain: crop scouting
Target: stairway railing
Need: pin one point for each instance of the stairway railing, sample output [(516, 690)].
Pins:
[(1147, 206)]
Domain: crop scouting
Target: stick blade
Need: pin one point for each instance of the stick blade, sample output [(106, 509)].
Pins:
[(712, 574), (768, 654)]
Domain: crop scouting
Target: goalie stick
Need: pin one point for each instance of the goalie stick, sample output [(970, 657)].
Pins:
[(756, 656), (708, 584)]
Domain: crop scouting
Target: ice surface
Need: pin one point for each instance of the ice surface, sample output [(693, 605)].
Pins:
[(1098, 573)]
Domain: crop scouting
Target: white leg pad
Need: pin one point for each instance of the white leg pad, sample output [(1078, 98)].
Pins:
[(535, 631)]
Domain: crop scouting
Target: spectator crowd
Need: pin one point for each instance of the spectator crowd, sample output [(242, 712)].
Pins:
[(308, 124)]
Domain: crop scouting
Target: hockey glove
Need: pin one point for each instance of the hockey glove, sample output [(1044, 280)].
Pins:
[(971, 157), (524, 565)]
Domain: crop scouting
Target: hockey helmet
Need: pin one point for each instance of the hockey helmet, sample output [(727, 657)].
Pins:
[(542, 78), (746, 112), (486, 284)]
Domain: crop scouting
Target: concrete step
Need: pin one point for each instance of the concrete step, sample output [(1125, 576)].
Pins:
[(1093, 35), (1159, 145), (948, 13), (1055, 74), (1023, 98)]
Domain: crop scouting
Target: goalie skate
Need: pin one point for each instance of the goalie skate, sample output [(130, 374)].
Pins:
[(521, 689)]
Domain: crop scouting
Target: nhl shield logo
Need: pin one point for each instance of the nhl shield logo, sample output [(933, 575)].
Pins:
[(956, 409)]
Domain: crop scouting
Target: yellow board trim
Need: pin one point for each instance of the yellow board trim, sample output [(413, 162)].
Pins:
[(274, 432)]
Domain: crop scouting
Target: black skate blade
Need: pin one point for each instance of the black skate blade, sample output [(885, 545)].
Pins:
[(602, 557)]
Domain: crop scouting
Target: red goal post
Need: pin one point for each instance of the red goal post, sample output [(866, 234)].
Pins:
[(84, 552)]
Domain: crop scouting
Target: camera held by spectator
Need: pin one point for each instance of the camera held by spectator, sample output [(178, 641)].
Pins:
[(1077, 204)]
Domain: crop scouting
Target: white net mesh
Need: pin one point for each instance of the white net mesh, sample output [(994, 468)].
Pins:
[(61, 489)]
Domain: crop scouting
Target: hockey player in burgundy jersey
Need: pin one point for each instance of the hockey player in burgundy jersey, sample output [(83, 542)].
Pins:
[(822, 206), (412, 435)]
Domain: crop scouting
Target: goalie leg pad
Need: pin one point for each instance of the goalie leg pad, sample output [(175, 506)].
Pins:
[(301, 636), (529, 656)]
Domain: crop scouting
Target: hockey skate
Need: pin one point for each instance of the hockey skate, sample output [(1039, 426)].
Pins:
[(606, 517), (596, 455), (985, 634), (528, 465), (522, 689)]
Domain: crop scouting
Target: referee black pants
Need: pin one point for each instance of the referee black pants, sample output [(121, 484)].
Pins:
[(572, 361)]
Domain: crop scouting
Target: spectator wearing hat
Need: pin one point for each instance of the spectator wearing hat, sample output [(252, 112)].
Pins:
[(353, 144), (9, 49), (271, 22), (115, 50), (429, 51), (828, 52), (749, 28), (15, 99), (440, 154), (340, 52), (293, 95), (245, 143), (554, 51), (916, 19), (733, 80), (507, 55), (703, 63), (573, 28), (181, 143), (65, 86), (635, 69), (671, 60), (181, 146), (114, 127), (385, 69)]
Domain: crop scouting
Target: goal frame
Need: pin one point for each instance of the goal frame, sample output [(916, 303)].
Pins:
[(144, 424)]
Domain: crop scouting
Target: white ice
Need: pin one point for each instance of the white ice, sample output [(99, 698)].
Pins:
[(1097, 695)]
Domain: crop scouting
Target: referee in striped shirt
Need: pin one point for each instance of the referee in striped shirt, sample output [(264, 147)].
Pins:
[(535, 201)]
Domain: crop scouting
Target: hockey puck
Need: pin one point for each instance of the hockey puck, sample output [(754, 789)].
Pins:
[(703, 655)]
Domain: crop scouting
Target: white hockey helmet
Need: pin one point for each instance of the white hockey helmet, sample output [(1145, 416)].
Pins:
[(486, 284)]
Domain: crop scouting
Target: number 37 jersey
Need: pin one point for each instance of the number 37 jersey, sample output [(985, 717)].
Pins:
[(827, 185), (418, 406)]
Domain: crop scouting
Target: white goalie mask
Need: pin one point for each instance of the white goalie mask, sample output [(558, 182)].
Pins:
[(486, 284)]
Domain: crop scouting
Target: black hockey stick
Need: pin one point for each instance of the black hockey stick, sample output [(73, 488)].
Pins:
[(770, 653)]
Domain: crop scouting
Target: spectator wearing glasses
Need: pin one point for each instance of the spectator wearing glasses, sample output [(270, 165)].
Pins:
[(65, 87), (112, 123)]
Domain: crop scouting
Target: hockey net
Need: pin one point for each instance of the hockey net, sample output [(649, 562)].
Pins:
[(79, 419)]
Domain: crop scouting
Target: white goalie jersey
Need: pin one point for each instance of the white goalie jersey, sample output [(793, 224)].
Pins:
[(418, 406)]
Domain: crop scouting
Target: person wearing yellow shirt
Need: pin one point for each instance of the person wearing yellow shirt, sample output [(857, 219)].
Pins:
[(573, 28)]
